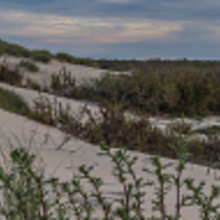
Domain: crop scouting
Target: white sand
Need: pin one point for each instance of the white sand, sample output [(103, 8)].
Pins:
[(43, 76)]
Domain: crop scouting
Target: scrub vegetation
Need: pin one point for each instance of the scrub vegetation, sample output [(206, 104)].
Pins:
[(180, 92)]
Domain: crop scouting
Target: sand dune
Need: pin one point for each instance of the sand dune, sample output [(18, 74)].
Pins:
[(43, 76)]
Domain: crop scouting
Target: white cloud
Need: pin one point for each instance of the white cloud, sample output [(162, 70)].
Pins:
[(55, 28)]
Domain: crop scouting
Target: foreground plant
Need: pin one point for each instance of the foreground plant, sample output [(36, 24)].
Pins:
[(167, 180), (130, 205), (24, 189), (29, 195), (208, 210)]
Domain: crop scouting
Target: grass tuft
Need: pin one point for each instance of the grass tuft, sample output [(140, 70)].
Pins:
[(10, 101)]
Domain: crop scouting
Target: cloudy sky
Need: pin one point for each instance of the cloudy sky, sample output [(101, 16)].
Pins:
[(122, 29)]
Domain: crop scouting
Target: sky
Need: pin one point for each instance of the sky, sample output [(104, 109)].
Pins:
[(115, 29)]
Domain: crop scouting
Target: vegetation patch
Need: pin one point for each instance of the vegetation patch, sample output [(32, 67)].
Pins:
[(13, 49), (177, 93), (65, 57), (209, 130), (10, 74), (13, 103), (29, 65), (41, 55), (180, 127), (112, 126)]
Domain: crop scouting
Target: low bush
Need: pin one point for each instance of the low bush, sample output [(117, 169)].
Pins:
[(63, 84), (29, 65), (13, 49), (41, 55), (65, 57), (32, 85), (10, 74)]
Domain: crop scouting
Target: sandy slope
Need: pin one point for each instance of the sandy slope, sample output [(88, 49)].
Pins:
[(74, 153), (43, 76)]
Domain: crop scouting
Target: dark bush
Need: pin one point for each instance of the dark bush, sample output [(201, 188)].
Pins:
[(13, 49), (65, 57), (41, 55), (10, 74)]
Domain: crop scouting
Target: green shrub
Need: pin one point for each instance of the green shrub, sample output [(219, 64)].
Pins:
[(65, 57), (41, 55), (190, 93), (17, 51), (13, 49), (10, 74), (29, 65), (64, 84)]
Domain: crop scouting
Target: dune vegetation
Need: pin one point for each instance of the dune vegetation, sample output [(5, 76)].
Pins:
[(174, 88), (11, 102)]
